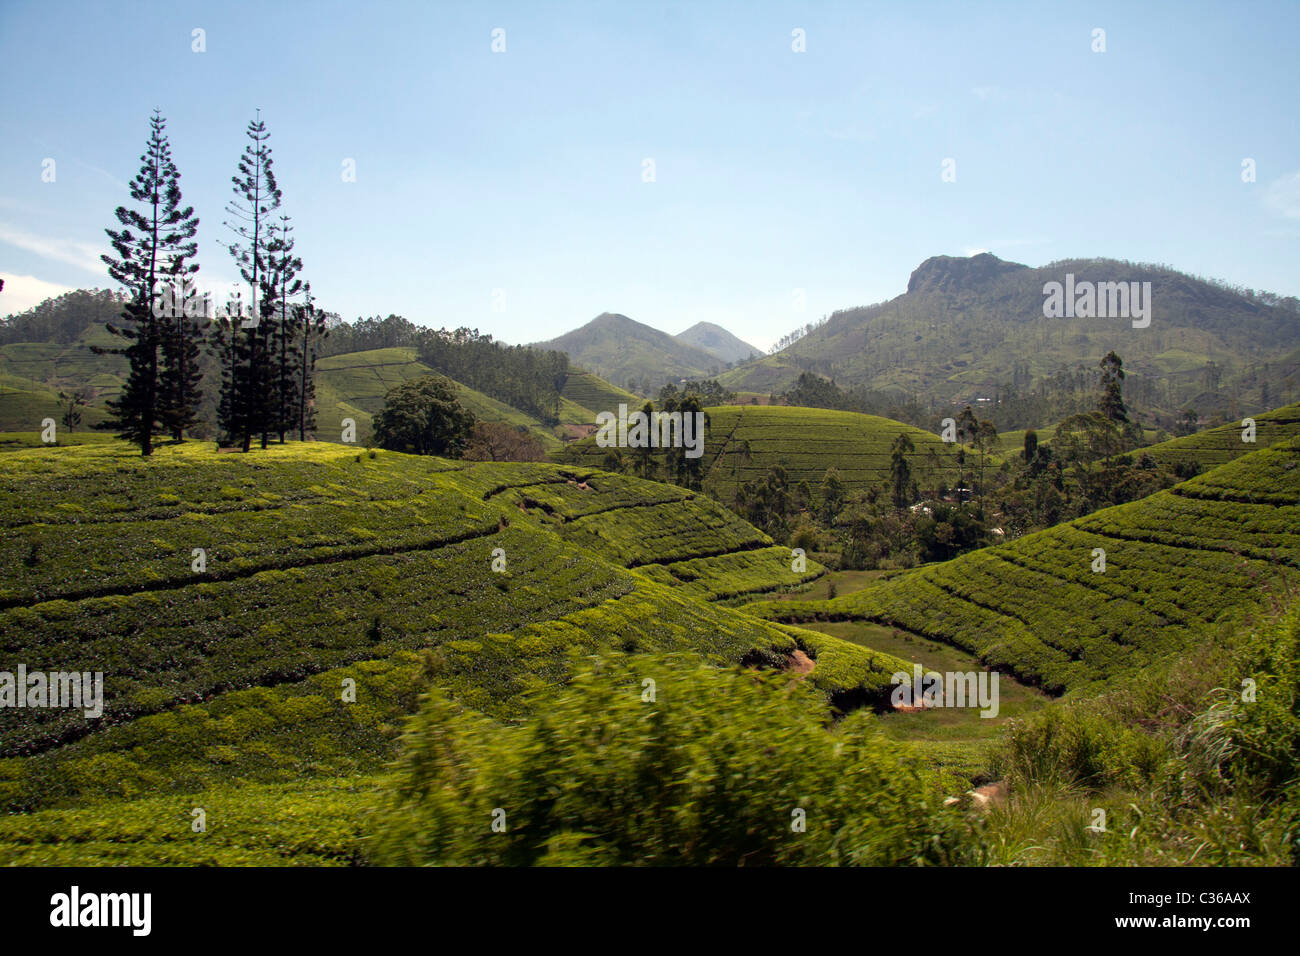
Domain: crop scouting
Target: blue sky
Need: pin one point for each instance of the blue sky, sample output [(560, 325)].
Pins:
[(775, 171)]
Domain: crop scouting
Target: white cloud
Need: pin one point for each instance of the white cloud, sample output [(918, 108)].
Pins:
[(1283, 196), (75, 252), (22, 292)]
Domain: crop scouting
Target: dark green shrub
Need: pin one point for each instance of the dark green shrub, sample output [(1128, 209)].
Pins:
[(713, 771)]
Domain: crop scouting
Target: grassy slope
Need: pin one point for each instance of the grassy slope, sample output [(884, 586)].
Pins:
[(33, 373), (807, 441), (351, 385), (354, 385), (1217, 446), (323, 568), (1210, 448), (594, 394), (1175, 562)]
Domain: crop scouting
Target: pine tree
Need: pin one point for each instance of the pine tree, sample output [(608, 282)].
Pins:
[(281, 284), (181, 382), (312, 331), (222, 346), (152, 246), (900, 472), (1111, 401), (249, 378)]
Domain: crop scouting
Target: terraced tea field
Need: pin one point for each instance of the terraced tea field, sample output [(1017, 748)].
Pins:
[(353, 385), (595, 395), (744, 442), (324, 568), (1217, 446), (33, 373), (1175, 563)]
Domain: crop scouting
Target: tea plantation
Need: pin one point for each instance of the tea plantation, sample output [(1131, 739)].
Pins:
[(1043, 608), (745, 441), (267, 622), (1219, 445)]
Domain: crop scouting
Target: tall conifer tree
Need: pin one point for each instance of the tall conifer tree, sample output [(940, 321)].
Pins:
[(312, 332), (281, 285), (151, 250), (248, 406)]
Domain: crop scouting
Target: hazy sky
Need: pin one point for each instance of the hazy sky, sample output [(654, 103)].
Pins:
[(775, 170)]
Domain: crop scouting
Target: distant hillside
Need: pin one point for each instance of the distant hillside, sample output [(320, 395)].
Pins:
[(595, 394), (624, 351), (354, 385), (1176, 563), (718, 342), (744, 442), (46, 350), (974, 328)]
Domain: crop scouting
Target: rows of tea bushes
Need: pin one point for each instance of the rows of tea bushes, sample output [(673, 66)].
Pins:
[(492, 582), (163, 646), (666, 532), (568, 495), (808, 441), (672, 535), (595, 394), (744, 441), (321, 726), (372, 557), (1042, 607), (1217, 446), (739, 573), (104, 482), (316, 822), (51, 561)]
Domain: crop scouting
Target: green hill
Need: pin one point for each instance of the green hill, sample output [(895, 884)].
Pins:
[(1216, 446), (971, 328), (354, 385), (33, 373), (593, 394), (324, 567), (1175, 563), (620, 349), (745, 441), (718, 342)]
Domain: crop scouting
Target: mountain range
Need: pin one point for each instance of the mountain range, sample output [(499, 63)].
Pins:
[(967, 329), (971, 328), (642, 358)]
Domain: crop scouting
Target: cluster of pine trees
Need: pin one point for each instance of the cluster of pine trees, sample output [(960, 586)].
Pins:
[(267, 349)]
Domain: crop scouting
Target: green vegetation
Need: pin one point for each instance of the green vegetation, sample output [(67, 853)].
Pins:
[(760, 781), (223, 696), (1216, 446), (971, 328), (1192, 761), (353, 385), (1174, 564), (422, 416), (744, 442), (595, 395)]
